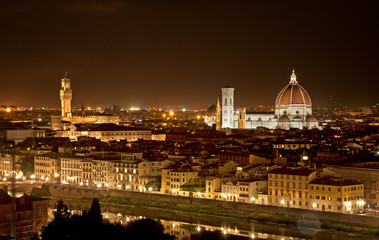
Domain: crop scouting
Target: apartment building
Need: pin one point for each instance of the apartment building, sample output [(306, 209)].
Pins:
[(102, 171), (127, 173), (174, 178), (243, 190), (336, 195), (369, 176), (6, 165), (290, 187), (72, 170), (47, 167)]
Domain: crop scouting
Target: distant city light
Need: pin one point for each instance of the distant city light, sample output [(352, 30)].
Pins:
[(171, 113), (135, 109), (183, 110), (8, 109)]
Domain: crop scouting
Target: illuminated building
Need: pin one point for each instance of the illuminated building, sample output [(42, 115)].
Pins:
[(66, 96), (369, 176), (173, 179), (72, 170), (59, 122), (336, 195), (6, 165), (105, 132), (289, 187), (242, 190), (293, 109), (47, 167), (227, 107), (30, 216)]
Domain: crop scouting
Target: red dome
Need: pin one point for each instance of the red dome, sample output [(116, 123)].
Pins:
[(293, 93), (311, 119), (284, 118)]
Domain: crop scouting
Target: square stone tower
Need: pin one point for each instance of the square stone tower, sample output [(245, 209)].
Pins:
[(227, 107)]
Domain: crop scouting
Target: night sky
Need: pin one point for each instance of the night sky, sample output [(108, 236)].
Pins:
[(156, 53)]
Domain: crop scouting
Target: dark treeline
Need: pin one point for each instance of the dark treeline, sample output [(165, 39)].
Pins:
[(90, 225)]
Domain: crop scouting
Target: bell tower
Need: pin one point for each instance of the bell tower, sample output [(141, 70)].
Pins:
[(227, 104), (66, 96)]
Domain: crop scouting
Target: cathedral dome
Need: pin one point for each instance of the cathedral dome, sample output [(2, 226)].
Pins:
[(293, 93), (284, 118), (311, 119)]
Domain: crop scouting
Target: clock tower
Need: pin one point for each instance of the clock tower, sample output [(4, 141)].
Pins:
[(66, 96)]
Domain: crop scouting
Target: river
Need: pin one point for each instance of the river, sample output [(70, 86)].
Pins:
[(183, 224)]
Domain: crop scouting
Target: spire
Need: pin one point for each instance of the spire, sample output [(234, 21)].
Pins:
[(293, 77), (218, 104), (65, 74)]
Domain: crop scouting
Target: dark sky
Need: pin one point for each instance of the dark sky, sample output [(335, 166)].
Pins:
[(155, 53)]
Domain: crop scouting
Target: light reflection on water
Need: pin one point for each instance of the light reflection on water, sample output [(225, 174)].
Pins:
[(183, 230)]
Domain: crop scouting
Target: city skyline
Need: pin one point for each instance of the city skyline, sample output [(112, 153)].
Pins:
[(166, 53)]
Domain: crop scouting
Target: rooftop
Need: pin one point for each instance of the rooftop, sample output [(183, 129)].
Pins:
[(335, 182), (289, 171)]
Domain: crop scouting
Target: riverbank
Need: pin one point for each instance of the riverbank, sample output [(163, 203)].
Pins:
[(233, 221), (303, 221), (301, 218)]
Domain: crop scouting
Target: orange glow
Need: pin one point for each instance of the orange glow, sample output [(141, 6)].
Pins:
[(198, 116), (8, 109), (164, 115), (88, 108), (171, 113)]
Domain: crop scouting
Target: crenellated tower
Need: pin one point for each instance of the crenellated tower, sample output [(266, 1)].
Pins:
[(66, 96)]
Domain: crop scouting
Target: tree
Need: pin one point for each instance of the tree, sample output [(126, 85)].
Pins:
[(90, 225), (62, 211), (94, 214)]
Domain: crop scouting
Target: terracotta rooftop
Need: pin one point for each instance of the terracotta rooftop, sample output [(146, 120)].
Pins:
[(335, 182), (289, 171)]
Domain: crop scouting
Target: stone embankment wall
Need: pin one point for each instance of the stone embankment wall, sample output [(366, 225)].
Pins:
[(66, 191)]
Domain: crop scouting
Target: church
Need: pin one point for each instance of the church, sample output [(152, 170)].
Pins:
[(293, 109)]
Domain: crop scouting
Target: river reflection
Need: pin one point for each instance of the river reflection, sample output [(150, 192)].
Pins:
[(183, 230)]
